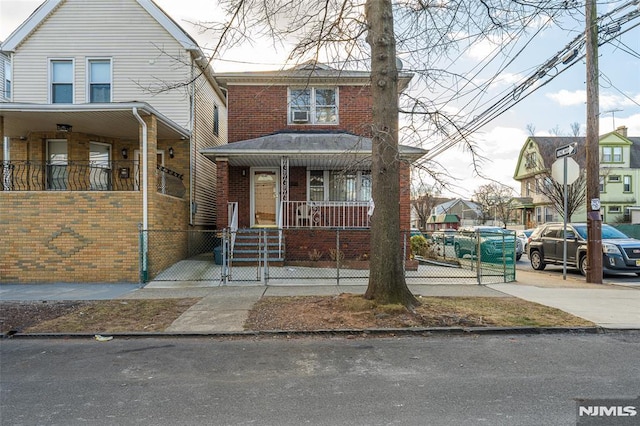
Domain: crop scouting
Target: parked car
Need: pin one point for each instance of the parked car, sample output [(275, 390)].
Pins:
[(444, 236), (620, 253), (524, 238), (494, 243)]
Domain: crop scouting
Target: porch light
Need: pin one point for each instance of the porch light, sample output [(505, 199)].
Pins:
[(171, 153), (125, 153), (63, 127)]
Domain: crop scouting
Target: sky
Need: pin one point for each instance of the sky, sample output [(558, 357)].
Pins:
[(551, 108)]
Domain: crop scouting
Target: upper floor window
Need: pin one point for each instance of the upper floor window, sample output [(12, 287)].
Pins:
[(530, 160), (7, 80), (99, 80), (626, 183), (612, 154), (216, 120), (601, 183), (62, 81), (313, 105)]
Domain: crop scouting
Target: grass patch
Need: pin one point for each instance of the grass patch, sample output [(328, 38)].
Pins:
[(348, 311), (113, 316)]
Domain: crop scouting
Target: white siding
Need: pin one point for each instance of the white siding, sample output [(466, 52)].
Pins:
[(144, 55), (204, 170)]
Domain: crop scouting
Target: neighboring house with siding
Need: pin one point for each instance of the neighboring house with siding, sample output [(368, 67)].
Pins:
[(97, 144), (298, 160), (5, 77), (619, 176)]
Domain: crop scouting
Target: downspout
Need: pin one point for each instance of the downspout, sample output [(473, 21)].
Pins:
[(145, 195), (6, 156), (191, 154)]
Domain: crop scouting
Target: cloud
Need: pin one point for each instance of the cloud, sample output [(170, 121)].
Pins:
[(567, 98), (607, 101)]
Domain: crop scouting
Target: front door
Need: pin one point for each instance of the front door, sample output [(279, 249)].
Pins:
[(264, 185)]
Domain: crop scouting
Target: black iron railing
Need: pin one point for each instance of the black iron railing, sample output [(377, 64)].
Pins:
[(120, 175)]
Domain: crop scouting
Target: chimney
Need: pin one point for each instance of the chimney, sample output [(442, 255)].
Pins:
[(622, 130)]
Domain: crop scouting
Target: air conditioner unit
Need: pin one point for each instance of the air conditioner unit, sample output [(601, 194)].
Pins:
[(300, 116)]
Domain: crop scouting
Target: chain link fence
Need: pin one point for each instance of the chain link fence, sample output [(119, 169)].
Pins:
[(321, 256)]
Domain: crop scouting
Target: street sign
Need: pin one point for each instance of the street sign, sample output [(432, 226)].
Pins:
[(573, 170), (566, 150)]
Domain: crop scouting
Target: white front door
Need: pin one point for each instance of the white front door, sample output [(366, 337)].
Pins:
[(264, 197)]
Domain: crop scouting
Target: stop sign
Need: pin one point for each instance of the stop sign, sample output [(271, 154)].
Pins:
[(557, 170)]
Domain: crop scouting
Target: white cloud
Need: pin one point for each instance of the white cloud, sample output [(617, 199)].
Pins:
[(568, 98)]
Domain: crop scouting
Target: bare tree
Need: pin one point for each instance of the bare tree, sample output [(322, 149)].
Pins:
[(496, 201), (531, 129), (575, 129), (554, 191), (423, 200)]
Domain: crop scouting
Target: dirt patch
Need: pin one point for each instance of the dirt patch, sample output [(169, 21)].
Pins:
[(108, 316), (348, 311), (312, 313)]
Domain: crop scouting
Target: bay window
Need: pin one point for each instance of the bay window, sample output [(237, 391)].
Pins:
[(336, 185)]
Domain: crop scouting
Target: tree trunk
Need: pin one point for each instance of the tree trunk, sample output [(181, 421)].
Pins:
[(386, 278)]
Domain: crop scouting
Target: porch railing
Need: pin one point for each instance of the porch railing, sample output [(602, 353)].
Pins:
[(325, 214), (120, 175), (170, 182)]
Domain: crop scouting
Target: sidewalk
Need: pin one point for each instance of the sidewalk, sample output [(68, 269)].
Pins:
[(225, 308)]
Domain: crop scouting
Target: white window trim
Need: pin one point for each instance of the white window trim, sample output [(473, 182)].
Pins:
[(88, 77), (312, 106), (8, 77), (73, 78), (326, 174)]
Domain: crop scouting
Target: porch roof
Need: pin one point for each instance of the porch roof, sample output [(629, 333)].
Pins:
[(308, 149), (114, 120)]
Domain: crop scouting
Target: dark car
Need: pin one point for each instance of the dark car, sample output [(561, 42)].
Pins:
[(546, 246)]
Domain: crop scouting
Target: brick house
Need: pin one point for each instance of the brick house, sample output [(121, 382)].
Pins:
[(299, 157), (97, 145)]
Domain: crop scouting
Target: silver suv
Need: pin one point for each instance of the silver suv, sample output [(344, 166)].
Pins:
[(619, 252)]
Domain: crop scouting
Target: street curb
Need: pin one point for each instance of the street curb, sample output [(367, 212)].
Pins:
[(378, 332)]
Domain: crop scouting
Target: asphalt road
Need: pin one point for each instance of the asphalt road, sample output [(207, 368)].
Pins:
[(470, 380)]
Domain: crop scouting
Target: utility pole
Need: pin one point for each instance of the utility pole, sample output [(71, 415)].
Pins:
[(594, 221)]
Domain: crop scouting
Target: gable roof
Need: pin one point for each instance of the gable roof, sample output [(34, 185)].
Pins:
[(305, 74), (50, 6)]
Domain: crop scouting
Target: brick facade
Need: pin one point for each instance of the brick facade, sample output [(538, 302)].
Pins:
[(256, 111)]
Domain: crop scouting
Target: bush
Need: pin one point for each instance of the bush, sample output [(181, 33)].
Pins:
[(419, 246)]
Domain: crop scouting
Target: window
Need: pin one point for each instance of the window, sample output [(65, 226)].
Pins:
[(335, 185), (99, 80), (57, 172), (612, 154), (99, 166), (601, 183), (626, 183), (528, 189), (615, 209), (7, 80), (614, 178), (62, 81), (530, 160), (313, 106), (216, 120), (617, 154)]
